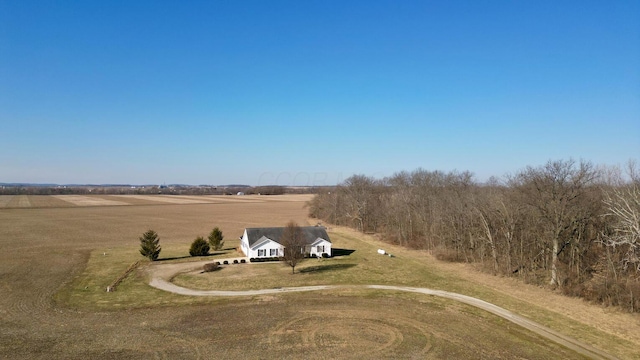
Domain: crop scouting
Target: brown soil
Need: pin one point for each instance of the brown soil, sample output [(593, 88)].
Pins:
[(45, 248)]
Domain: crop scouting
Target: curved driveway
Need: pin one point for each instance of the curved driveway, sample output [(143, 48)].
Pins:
[(159, 280)]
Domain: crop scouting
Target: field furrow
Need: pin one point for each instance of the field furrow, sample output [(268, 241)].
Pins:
[(5, 200), (48, 201), (19, 201), (171, 199), (80, 200), (223, 199)]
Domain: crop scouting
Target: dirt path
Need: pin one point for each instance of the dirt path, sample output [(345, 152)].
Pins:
[(161, 276)]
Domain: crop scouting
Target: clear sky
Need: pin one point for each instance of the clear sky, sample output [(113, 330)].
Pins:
[(311, 92)]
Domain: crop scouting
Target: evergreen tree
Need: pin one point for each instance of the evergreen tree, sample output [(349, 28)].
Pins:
[(150, 245), (199, 247), (216, 239)]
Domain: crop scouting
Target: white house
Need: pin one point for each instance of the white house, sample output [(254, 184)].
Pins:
[(264, 242)]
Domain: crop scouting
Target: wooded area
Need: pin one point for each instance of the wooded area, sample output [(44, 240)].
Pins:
[(566, 224)]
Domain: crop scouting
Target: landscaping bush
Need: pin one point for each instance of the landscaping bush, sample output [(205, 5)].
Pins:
[(252, 260), (199, 247), (209, 267), (226, 262), (325, 255), (235, 261), (242, 261)]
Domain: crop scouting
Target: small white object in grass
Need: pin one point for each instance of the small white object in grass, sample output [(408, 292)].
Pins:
[(381, 252)]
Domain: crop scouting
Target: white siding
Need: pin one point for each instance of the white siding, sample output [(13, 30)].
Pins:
[(319, 247), (244, 243), (264, 248)]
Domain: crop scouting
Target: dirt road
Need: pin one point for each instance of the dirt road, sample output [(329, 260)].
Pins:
[(161, 276)]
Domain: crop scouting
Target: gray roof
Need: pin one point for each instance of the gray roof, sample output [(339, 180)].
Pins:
[(311, 234)]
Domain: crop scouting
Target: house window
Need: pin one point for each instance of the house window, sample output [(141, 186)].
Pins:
[(273, 252), (262, 252), (320, 248)]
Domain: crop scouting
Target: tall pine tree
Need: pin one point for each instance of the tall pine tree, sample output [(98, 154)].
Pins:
[(216, 239), (150, 245)]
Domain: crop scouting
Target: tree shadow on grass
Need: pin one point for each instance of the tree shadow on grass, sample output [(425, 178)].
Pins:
[(330, 267), (172, 258), (341, 252), (182, 257)]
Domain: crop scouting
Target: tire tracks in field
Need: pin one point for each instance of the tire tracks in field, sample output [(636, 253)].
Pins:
[(28, 292), (160, 279)]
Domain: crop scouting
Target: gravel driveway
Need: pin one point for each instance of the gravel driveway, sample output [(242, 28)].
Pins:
[(162, 274)]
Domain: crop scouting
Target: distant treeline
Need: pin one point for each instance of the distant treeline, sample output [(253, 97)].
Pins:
[(566, 224), (17, 189)]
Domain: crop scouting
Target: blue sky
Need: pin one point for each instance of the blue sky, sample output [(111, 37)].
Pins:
[(311, 92)]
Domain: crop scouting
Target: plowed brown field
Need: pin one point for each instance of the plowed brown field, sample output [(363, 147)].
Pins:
[(44, 249)]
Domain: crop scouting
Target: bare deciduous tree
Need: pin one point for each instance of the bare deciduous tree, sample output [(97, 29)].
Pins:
[(542, 224), (623, 205), (555, 191), (294, 245), (361, 202)]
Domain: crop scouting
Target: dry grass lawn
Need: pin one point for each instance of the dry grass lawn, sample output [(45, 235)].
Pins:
[(56, 261)]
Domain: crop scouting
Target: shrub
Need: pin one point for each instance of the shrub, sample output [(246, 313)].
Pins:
[(252, 260), (313, 256), (325, 255), (225, 262), (210, 267), (242, 261), (235, 261), (199, 247)]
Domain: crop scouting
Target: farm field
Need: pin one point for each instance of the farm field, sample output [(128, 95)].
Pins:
[(55, 201), (59, 254)]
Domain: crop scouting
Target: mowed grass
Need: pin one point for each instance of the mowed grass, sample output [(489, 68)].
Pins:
[(87, 290), (330, 324), (358, 263)]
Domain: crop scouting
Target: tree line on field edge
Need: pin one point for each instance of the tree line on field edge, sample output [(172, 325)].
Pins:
[(566, 224), (27, 189)]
